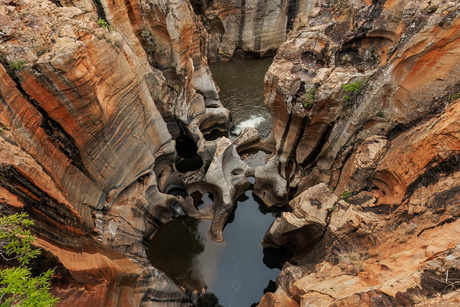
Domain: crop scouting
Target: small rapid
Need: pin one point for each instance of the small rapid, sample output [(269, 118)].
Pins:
[(253, 122), (241, 85)]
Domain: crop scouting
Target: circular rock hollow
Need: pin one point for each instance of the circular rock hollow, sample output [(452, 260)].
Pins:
[(188, 159), (202, 200)]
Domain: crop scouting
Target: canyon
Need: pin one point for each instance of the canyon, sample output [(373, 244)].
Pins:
[(98, 100)]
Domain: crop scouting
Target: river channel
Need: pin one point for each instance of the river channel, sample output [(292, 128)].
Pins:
[(241, 85), (232, 272)]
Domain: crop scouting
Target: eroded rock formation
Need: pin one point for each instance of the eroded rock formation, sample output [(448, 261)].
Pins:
[(239, 29), (93, 96), (364, 98)]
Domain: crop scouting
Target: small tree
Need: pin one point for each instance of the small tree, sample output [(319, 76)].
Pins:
[(351, 89), (17, 285)]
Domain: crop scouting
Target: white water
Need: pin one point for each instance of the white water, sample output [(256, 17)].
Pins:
[(241, 84), (253, 122)]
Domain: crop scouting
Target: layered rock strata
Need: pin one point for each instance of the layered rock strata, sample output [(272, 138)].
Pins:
[(93, 96), (364, 98), (247, 28)]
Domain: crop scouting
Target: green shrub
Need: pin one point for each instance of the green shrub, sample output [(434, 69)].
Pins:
[(16, 65), (19, 288), (17, 285), (310, 97), (104, 24), (345, 195), (353, 87), (453, 97)]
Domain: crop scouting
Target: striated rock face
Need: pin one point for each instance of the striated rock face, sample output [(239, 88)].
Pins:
[(97, 98), (277, 300), (308, 221), (93, 96), (247, 27), (386, 50), (367, 252), (364, 98)]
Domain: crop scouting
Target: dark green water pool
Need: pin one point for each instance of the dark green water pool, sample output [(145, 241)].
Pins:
[(233, 270)]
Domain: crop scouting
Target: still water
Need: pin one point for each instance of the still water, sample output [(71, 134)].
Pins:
[(241, 85), (233, 270)]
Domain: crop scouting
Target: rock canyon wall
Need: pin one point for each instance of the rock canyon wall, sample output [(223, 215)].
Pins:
[(93, 97), (97, 96), (247, 28), (364, 99)]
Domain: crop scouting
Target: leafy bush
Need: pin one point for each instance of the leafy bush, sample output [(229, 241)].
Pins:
[(310, 97), (15, 240), (17, 285), (17, 65), (353, 87), (19, 288), (345, 195), (104, 24)]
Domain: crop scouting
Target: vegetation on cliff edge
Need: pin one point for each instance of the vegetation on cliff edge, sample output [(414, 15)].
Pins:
[(18, 287)]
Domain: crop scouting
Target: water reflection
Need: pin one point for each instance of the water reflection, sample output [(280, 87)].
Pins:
[(232, 271), (183, 251), (202, 200), (256, 159), (242, 275), (188, 159)]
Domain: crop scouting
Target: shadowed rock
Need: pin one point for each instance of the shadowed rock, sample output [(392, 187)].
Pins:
[(307, 223), (227, 173)]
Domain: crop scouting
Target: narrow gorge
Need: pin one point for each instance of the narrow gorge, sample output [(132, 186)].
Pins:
[(113, 128)]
